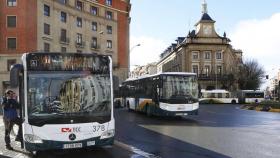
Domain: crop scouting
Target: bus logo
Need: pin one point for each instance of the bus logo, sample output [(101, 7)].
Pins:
[(66, 130), (72, 136)]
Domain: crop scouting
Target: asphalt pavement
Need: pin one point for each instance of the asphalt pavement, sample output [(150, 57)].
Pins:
[(219, 131)]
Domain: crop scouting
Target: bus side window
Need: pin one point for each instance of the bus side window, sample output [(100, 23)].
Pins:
[(227, 95)]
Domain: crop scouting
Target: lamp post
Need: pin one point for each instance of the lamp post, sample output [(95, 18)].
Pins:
[(130, 50)]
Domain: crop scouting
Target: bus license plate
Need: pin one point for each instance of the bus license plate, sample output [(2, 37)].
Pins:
[(74, 145)]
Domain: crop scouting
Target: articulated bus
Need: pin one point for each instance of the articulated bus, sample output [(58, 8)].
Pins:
[(165, 94), (66, 100), (250, 96), (218, 96)]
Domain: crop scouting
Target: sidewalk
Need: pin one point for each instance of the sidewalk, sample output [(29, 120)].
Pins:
[(4, 153)]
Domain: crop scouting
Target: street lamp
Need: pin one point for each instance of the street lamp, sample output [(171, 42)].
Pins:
[(130, 50), (137, 45)]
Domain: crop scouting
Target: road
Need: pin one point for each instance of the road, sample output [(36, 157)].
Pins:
[(218, 131)]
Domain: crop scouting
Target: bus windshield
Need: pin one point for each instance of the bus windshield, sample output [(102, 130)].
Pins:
[(179, 86), (63, 95)]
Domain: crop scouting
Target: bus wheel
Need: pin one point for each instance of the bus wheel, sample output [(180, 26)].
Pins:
[(148, 110), (127, 105), (233, 102), (34, 154)]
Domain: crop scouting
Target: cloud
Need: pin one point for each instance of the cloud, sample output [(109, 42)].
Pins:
[(259, 39), (149, 50)]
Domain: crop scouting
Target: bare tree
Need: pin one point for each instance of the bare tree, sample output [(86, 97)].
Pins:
[(250, 75)]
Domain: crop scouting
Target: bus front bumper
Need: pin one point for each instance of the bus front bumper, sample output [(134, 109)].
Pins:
[(178, 109), (56, 145), (177, 113)]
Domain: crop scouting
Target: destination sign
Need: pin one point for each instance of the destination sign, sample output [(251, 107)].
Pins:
[(68, 62)]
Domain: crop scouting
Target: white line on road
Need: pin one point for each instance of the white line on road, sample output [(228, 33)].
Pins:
[(135, 150)]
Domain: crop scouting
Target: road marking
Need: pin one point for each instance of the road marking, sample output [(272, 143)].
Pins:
[(135, 150)]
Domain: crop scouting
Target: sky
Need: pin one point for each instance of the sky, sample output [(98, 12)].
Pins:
[(253, 26)]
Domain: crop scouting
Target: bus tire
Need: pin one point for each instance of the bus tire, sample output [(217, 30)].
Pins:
[(233, 102), (148, 110), (34, 154), (128, 107)]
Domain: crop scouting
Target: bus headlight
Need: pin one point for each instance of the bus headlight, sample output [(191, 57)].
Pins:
[(108, 134), (30, 138), (195, 106)]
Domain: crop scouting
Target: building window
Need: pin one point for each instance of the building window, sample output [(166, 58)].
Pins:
[(94, 42), (109, 44), (94, 10), (219, 70), (63, 17), (46, 10), (195, 55), (109, 29), (207, 70), (63, 1), (79, 22), (94, 26), (79, 5), (63, 49), (10, 62), (12, 43), (46, 47), (63, 36), (11, 21), (79, 38), (109, 2), (218, 55), (207, 55), (195, 69), (109, 15), (12, 3), (47, 29)]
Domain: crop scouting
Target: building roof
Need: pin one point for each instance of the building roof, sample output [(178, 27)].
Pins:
[(206, 17)]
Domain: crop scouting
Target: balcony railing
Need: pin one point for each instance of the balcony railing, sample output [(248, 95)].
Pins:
[(94, 46), (80, 44), (212, 77), (64, 40)]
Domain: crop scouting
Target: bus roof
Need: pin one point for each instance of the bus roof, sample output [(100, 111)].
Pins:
[(252, 91), (162, 73), (215, 91)]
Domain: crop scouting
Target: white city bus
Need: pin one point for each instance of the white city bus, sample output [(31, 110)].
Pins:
[(167, 94), (250, 96), (218, 96), (66, 100)]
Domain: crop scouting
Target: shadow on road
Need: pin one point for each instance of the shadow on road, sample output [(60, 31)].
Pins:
[(129, 132)]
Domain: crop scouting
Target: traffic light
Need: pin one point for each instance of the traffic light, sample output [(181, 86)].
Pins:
[(266, 76)]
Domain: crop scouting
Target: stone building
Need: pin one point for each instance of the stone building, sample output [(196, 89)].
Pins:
[(149, 69), (88, 26), (206, 53)]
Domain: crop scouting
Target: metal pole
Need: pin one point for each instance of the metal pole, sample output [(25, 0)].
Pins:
[(216, 81)]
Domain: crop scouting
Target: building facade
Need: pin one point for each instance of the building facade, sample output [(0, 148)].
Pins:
[(85, 26), (206, 53), (148, 69)]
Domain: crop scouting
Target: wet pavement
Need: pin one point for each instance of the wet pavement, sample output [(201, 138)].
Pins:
[(218, 131)]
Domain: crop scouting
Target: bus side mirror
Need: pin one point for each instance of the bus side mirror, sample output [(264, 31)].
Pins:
[(15, 74)]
